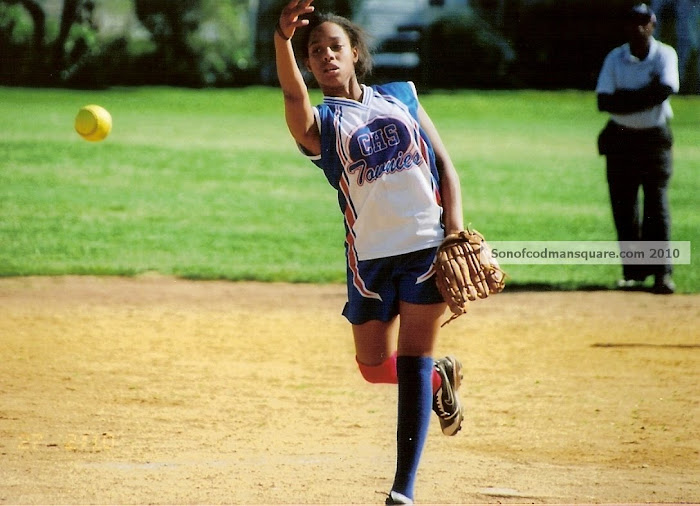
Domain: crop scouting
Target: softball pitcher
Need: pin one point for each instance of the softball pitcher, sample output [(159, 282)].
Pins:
[(399, 195)]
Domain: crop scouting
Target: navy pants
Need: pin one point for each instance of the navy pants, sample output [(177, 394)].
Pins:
[(640, 159)]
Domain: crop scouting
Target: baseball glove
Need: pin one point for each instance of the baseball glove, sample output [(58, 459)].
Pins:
[(466, 270)]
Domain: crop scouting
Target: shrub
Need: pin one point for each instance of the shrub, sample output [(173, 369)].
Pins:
[(562, 43), (460, 49)]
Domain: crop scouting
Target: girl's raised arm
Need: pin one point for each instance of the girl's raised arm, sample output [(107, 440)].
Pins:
[(298, 110)]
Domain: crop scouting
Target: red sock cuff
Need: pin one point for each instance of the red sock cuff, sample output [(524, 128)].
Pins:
[(382, 373), (386, 373)]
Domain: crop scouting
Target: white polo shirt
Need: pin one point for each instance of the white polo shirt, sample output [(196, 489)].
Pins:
[(622, 70)]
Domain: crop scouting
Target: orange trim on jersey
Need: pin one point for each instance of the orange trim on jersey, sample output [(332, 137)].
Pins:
[(357, 280)]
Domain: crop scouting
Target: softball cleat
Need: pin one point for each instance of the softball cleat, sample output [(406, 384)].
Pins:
[(396, 498), (446, 402)]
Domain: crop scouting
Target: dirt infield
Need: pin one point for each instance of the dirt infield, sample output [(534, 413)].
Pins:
[(164, 391)]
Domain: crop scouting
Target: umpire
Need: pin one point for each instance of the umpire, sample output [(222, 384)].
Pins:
[(634, 86)]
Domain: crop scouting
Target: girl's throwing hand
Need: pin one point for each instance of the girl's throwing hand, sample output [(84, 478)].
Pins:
[(289, 19)]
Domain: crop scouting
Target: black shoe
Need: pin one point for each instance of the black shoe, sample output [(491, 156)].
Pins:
[(664, 285), (629, 284)]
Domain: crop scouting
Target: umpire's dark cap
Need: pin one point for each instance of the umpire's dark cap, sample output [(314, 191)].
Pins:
[(641, 14)]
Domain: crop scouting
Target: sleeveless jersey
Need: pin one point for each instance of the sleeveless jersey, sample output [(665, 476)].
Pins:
[(383, 166)]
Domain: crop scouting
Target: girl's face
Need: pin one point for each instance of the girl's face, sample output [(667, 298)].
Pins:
[(331, 57)]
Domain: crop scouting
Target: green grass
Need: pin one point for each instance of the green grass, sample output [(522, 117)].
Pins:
[(208, 184)]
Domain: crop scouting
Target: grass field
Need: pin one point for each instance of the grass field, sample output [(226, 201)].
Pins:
[(207, 184)]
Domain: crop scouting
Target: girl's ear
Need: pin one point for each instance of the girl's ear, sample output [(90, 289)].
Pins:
[(306, 64), (355, 55)]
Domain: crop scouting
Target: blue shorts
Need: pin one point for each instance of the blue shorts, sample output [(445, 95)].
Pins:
[(375, 287)]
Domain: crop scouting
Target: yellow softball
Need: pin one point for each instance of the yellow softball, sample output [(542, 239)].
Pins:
[(93, 123)]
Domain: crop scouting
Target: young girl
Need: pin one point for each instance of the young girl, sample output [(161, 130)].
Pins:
[(399, 194)]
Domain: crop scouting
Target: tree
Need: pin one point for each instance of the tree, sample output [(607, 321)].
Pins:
[(36, 12), (51, 62), (171, 23), (18, 61), (197, 42)]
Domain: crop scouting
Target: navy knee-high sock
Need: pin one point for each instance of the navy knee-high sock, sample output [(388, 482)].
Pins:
[(415, 407)]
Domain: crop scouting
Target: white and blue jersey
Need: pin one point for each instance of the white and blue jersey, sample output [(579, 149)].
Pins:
[(383, 166)]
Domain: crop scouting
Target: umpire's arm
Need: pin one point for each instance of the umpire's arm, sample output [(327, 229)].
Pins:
[(625, 101)]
